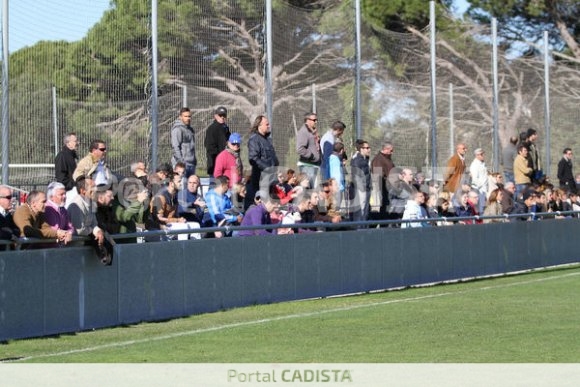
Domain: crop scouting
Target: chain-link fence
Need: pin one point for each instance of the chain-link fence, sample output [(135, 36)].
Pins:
[(214, 53)]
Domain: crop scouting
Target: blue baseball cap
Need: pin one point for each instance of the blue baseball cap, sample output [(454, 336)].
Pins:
[(235, 138)]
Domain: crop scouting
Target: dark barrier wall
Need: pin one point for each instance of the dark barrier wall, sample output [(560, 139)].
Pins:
[(46, 292)]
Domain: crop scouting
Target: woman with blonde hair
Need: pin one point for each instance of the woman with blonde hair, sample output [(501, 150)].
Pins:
[(493, 207)]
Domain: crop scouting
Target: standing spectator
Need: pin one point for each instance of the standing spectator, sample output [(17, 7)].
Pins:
[(83, 218), (191, 203), (522, 171), (333, 135), (336, 167), (65, 162), (508, 154), (56, 214), (381, 166), (8, 229), (183, 142), (455, 170), (31, 221), (401, 191), (533, 156), (93, 165), (565, 174), (361, 175), (262, 156), (479, 177), (216, 136), (259, 215), (228, 162), (308, 148)]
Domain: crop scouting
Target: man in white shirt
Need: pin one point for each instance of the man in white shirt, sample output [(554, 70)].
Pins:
[(479, 177)]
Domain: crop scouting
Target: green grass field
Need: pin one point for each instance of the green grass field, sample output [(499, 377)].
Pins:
[(523, 318)]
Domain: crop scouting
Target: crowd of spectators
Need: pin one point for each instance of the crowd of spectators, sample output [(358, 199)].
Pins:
[(330, 185)]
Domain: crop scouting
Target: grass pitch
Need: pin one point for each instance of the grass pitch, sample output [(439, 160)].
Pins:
[(523, 318)]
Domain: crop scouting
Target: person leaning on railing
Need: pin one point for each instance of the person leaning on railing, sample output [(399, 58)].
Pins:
[(31, 220)]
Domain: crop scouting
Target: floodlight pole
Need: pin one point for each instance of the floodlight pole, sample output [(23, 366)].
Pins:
[(154, 99), (5, 95)]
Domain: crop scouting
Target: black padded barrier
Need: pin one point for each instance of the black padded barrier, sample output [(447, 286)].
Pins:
[(60, 290)]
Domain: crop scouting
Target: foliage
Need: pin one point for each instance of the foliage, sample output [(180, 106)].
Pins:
[(526, 20)]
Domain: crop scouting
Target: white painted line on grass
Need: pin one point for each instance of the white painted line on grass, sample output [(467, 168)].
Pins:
[(280, 318)]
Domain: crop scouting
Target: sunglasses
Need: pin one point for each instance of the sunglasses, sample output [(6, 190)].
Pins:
[(6, 197), (235, 143), (103, 149), (326, 191), (313, 119)]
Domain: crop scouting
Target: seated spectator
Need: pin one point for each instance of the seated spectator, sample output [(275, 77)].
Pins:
[(159, 179), (493, 207), (574, 202), (191, 203), (283, 191), (473, 197), (555, 202), (85, 222), (415, 210), (259, 215), (219, 207), (443, 210), (8, 229), (507, 199), (130, 208), (524, 205), (319, 208), (106, 218), (31, 220), (238, 195), (163, 206), (164, 211), (431, 207), (139, 172), (464, 209), (55, 212)]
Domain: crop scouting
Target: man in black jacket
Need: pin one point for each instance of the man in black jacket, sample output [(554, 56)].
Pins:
[(65, 162), (262, 156), (565, 174), (361, 177), (216, 137)]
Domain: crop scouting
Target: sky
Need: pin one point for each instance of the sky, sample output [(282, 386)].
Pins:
[(30, 21), (33, 20)]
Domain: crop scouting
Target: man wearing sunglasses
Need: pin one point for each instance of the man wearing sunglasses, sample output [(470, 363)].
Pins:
[(8, 230), (93, 165), (228, 162), (308, 148)]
